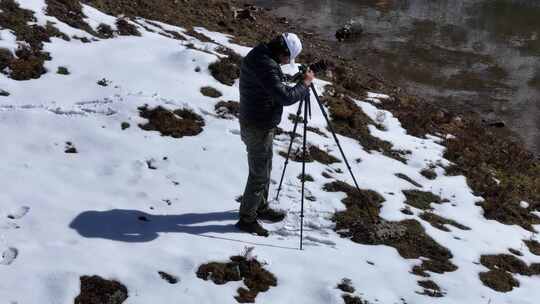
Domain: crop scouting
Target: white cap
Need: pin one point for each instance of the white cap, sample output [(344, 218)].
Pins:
[(294, 44)]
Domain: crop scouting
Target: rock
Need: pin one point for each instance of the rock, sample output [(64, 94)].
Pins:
[(246, 13), (349, 31), (494, 123)]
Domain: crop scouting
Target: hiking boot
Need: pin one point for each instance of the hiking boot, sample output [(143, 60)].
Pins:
[(271, 215), (252, 227)]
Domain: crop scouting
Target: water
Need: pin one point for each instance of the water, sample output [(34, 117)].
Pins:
[(468, 55)]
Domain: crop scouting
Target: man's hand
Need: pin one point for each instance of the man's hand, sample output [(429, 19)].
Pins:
[(308, 77)]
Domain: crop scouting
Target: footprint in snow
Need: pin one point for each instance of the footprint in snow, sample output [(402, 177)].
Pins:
[(9, 225), (8, 256), (19, 213)]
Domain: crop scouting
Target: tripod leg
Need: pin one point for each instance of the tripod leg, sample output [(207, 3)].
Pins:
[(290, 147), (304, 155), (373, 218)]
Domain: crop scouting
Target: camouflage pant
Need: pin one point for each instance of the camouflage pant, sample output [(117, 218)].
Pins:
[(259, 148)]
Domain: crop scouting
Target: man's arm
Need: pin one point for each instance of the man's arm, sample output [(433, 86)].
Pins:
[(281, 93)]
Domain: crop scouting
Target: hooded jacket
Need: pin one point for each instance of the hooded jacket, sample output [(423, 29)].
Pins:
[(262, 92)]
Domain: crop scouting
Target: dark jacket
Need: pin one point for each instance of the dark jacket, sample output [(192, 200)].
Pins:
[(262, 92)]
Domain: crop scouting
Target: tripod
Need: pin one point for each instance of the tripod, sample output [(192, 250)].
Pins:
[(306, 105)]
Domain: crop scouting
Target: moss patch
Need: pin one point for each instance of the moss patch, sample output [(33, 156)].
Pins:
[(317, 131), (69, 12), (429, 173), (349, 120), (63, 71), (30, 57), (535, 80), (321, 156), (431, 289), (346, 286), (440, 222), (171, 279), (305, 178), (95, 289), (252, 272), (350, 299), (534, 246), (408, 236), (410, 180), (125, 28), (501, 267), (105, 30), (421, 199), (211, 92), (177, 123), (313, 154), (519, 179), (498, 280), (70, 148)]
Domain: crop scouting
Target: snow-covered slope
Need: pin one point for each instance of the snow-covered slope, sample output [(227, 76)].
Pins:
[(77, 214)]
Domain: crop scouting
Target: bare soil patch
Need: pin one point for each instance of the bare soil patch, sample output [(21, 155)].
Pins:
[(252, 272), (96, 290), (177, 123), (211, 92), (226, 70), (228, 109)]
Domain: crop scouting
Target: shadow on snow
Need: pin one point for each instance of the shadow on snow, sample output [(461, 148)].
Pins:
[(136, 226)]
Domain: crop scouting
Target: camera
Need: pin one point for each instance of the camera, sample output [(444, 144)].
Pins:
[(317, 67)]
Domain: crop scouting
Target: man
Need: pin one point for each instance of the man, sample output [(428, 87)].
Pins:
[(262, 98)]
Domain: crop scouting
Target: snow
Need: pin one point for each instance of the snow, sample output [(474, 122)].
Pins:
[(77, 213), (8, 40)]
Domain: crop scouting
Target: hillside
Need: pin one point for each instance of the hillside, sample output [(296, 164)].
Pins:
[(122, 161)]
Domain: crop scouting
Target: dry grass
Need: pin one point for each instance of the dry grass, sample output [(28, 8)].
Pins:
[(177, 123), (98, 290)]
